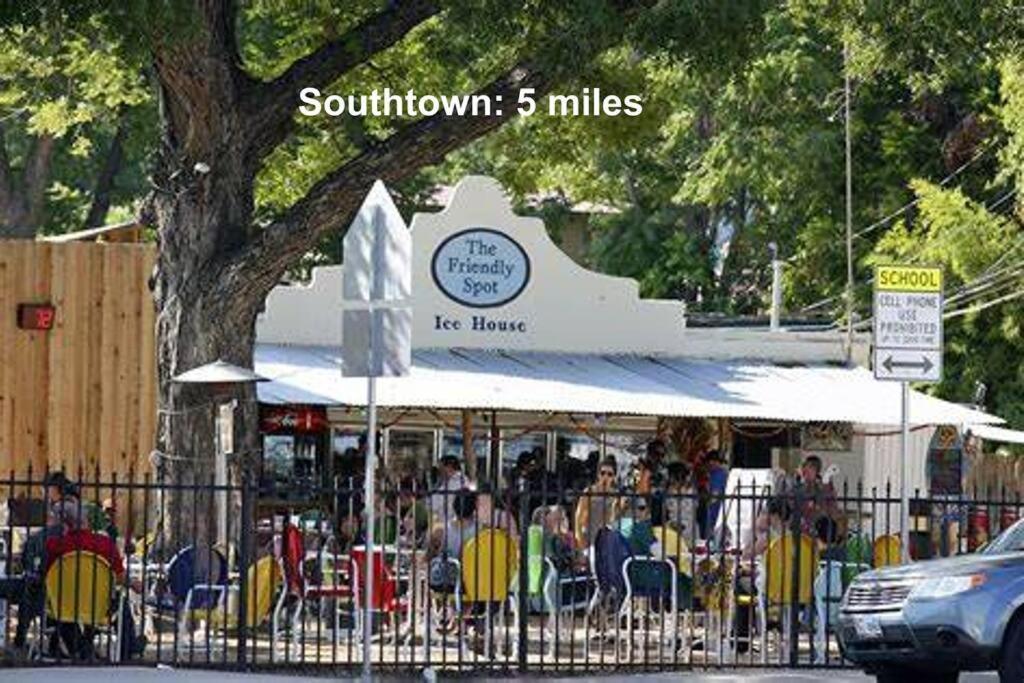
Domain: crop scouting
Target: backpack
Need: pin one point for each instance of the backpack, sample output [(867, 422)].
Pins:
[(443, 574)]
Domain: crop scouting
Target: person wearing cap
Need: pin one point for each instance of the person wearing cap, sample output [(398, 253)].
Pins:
[(76, 535)]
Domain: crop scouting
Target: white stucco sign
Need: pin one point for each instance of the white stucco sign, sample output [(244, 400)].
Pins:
[(480, 268), (484, 277)]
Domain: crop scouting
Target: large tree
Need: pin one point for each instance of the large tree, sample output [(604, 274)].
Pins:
[(228, 77)]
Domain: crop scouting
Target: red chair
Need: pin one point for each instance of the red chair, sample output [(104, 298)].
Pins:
[(293, 556), (385, 587)]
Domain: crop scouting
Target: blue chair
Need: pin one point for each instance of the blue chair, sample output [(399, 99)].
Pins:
[(610, 552), (185, 571)]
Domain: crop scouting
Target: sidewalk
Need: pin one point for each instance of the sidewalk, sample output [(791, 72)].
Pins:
[(165, 675)]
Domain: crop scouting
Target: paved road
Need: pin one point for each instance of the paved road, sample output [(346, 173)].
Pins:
[(144, 675)]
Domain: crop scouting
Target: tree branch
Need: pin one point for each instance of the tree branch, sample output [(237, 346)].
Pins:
[(329, 204), (271, 106)]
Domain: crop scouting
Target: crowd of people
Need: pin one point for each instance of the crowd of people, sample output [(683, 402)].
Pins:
[(579, 498)]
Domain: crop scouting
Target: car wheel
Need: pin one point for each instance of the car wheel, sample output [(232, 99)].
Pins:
[(1011, 661)]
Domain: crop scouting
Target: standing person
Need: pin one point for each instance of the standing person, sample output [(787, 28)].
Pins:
[(817, 500), (597, 506), (718, 478), (451, 481)]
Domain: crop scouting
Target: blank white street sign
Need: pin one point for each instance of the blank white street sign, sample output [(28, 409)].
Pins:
[(376, 286)]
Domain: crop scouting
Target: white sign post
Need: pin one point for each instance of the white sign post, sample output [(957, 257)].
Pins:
[(907, 347), (376, 335)]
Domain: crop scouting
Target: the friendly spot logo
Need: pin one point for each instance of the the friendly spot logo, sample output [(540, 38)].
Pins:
[(481, 268)]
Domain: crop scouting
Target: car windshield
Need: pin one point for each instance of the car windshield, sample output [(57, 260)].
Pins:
[(1009, 541)]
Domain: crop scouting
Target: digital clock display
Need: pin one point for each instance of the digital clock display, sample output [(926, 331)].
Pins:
[(36, 316)]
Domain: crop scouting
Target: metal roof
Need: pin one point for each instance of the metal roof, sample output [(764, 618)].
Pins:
[(605, 383), (999, 434)]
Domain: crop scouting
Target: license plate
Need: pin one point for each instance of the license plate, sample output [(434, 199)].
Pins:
[(867, 626)]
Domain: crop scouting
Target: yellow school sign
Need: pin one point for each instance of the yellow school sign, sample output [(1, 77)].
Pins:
[(908, 279), (908, 323)]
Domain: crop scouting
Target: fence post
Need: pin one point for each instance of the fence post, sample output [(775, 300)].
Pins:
[(793, 637), (244, 560), (524, 569)]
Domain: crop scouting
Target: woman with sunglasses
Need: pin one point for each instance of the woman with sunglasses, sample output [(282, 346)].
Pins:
[(598, 504)]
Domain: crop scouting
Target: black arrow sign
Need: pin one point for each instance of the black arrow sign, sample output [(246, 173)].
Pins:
[(925, 364)]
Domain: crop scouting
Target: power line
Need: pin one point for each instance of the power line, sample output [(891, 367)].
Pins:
[(990, 206), (988, 304), (898, 212)]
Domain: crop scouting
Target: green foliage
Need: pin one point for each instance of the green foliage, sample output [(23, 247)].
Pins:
[(74, 85)]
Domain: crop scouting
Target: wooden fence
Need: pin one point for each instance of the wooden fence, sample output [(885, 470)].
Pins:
[(82, 394)]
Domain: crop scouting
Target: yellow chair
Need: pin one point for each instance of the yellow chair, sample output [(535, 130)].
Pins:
[(675, 548), (80, 589), (779, 568), (888, 551), (264, 578), (490, 562)]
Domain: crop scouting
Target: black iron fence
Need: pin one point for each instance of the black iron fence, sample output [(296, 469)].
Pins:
[(535, 577)]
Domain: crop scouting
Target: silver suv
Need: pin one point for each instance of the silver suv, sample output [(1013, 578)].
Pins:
[(931, 620)]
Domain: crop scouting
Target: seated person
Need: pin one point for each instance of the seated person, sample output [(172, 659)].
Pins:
[(27, 592), (559, 544), (413, 512), (70, 639)]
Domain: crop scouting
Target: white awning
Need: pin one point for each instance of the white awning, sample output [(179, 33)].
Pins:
[(1000, 434), (596, 383)]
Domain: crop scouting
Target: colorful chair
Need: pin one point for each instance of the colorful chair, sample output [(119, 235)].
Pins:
[(789, 568), (490, 563), (385, 588), (263, 580), (888, 551), (81, 590), (675, 548)]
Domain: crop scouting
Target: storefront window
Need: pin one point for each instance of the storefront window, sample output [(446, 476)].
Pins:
[(289, 465), (409, 452), (346, 455)]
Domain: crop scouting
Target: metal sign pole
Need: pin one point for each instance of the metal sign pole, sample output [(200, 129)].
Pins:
[(905, 469), (371, 467)]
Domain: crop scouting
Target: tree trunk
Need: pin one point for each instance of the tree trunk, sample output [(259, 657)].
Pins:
[(105, 181), (202, 211), (22, 203)]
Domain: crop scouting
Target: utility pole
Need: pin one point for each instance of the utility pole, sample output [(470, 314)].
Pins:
[(849, 204)]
